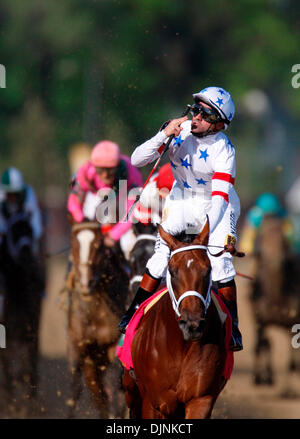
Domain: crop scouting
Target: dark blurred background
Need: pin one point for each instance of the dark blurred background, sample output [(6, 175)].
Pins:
[(85, 70)]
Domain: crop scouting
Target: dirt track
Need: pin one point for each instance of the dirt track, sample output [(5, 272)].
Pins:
[(240, 398)]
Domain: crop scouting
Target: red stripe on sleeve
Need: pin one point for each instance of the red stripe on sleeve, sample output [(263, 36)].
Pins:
[(222, 194), (223, 176), (161, 148)]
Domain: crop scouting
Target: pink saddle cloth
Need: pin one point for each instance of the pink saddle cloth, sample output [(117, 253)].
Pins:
[(124, 350)]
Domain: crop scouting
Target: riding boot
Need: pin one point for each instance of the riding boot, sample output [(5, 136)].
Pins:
[(147, 287), (228, 293)]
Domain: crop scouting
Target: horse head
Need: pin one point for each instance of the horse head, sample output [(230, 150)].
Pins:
[(86, 240), (19, 239), (141, 252), (188, 280)]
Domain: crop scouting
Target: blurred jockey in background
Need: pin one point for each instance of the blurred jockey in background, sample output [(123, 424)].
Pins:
[(266, 204), (106, 167), (19, 197)]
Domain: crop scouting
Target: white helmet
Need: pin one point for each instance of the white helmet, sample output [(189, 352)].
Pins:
[(219, 99), (12, 180)]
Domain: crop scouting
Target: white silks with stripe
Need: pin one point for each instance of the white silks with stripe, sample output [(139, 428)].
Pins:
[(204, 170)]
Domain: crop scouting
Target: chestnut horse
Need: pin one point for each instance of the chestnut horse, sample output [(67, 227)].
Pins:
[(97, 302), (179, 351)]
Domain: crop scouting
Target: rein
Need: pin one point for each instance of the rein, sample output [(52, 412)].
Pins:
[(145, 237), (175, 302)]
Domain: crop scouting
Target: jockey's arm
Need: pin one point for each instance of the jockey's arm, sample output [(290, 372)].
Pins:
[(149, 151), (222, 180), (216, 212), (134, 181), (77, 195)]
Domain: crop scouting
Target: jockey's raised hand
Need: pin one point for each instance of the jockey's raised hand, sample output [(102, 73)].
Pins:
[(174, 126)]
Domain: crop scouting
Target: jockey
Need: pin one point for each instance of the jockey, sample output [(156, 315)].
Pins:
[(19, 197), (266, 204), (103, 171), (203, 164)]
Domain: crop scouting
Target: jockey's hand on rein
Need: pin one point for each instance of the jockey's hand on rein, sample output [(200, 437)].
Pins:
[(229, 246)]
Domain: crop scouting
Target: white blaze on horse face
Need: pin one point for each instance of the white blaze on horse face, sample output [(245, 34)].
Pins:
[(85, 237), (189, 262)]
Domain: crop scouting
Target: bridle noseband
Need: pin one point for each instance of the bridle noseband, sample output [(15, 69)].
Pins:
[(175, 302)]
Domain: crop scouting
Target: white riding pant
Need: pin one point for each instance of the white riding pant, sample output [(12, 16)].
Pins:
[(189, 213)]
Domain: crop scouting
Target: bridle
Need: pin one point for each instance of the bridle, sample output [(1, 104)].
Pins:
[(175, 302), (146, 237)]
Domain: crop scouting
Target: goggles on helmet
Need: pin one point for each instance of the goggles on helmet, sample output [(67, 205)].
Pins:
[(208, 114)]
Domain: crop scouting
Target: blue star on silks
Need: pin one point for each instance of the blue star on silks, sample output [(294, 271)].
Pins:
[(201, 181), (221, 91), (178, 140), (229, 143), (220, 101), (173, 164), (185, 163), (203, 155), (186, 185)]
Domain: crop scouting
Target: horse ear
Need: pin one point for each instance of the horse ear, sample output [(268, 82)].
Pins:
[(203, 236), (172, 242)]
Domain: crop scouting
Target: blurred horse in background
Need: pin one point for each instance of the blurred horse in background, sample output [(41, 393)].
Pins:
[(24, 284), (96, 304), (139, 255), (275, 295)]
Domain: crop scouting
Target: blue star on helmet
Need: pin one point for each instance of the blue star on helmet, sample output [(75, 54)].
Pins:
[(203, 91), (201, 181), (203, 154), (230, 116), (178, 141), (173, 164), (185, 163), (220, 90), (220, 101), (186, 185)]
